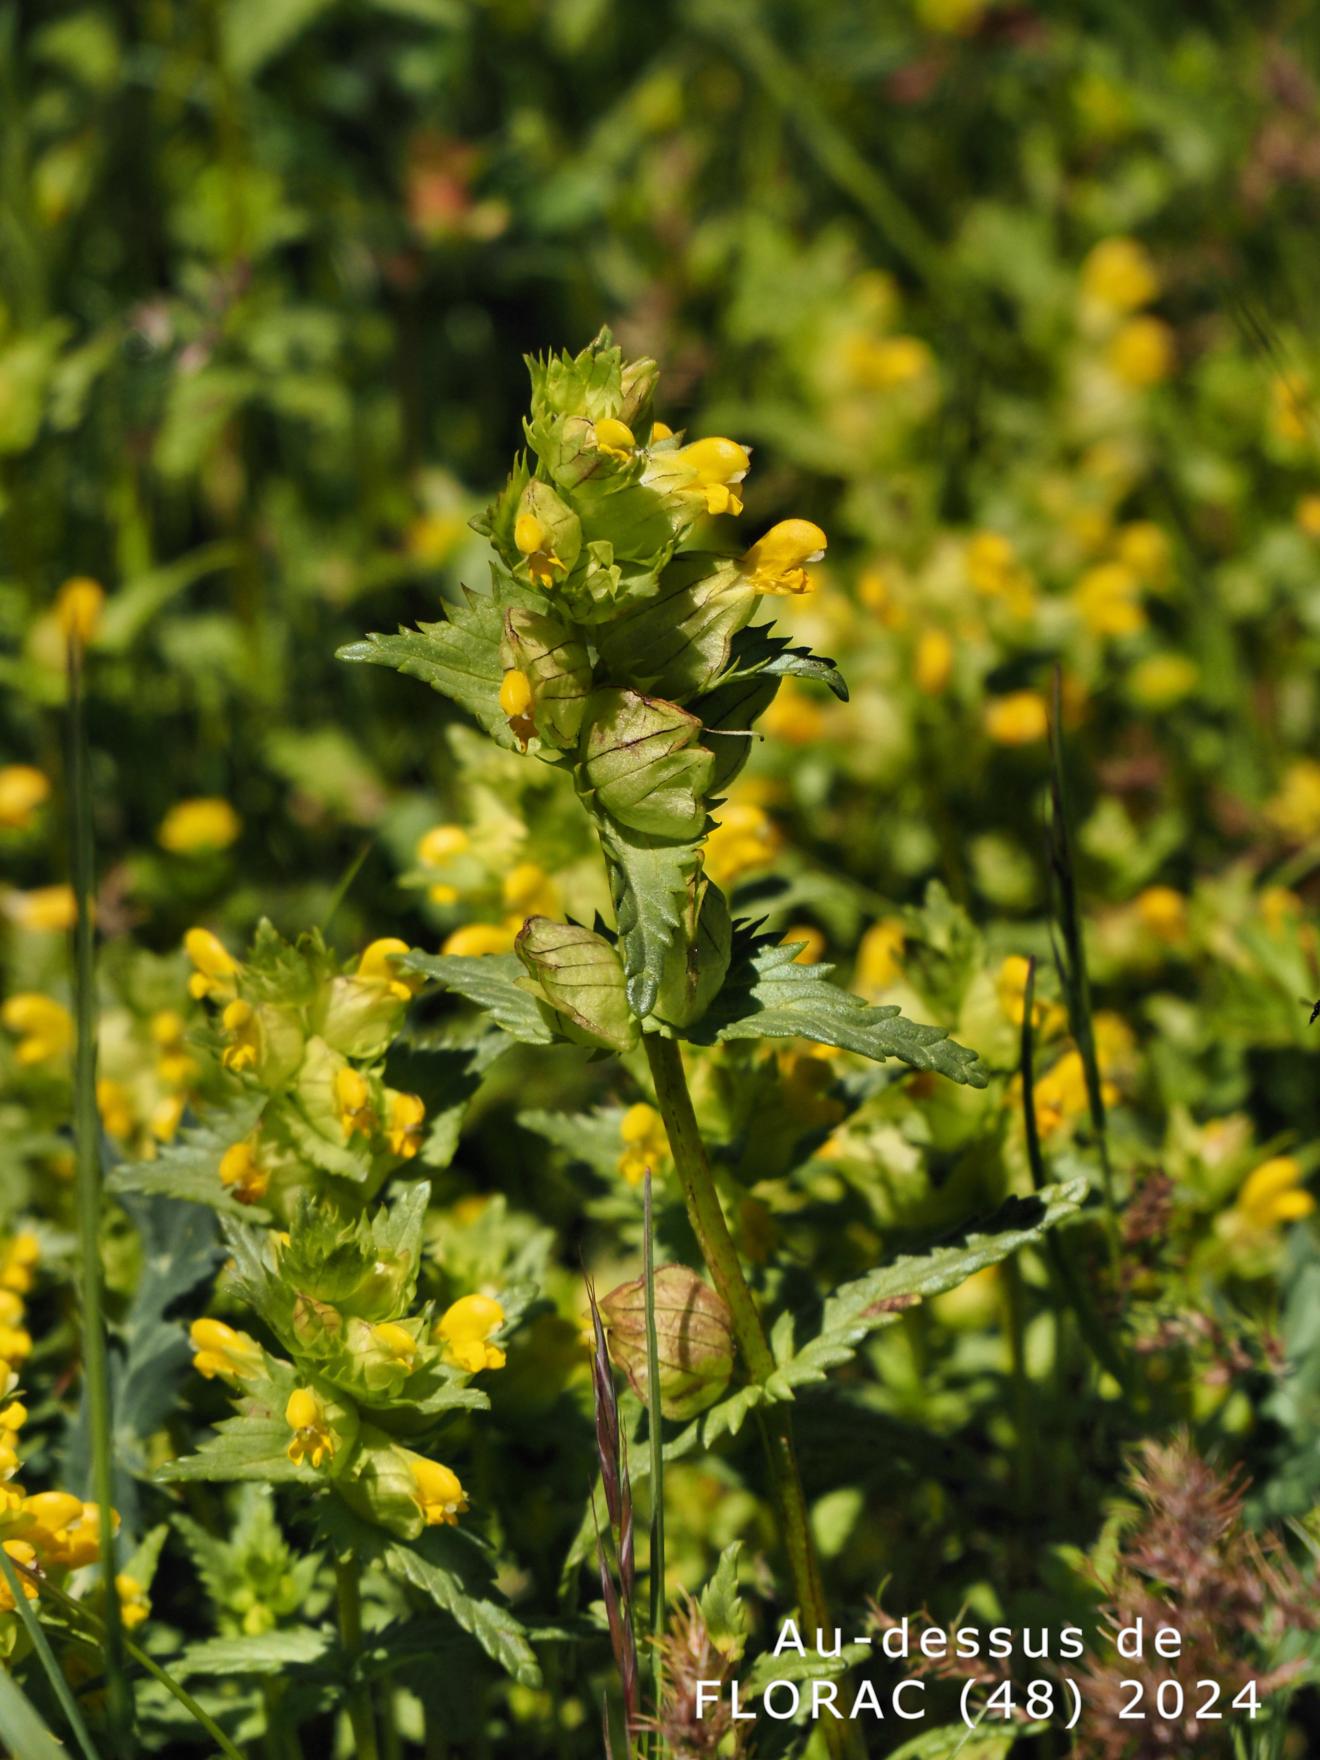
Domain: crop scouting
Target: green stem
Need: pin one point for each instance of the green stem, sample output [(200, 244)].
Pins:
[(657, 1572), (360, 1716), (721, 1256), (87, 1149)]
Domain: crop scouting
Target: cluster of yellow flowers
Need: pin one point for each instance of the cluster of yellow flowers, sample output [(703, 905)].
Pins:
[(1118, 282), (454, 872), (45, 1533)]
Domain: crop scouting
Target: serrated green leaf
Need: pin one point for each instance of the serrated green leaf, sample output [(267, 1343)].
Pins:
[(721, 1605), (761, 652), (792, 1666), (868, 1303), (460, 657), (452, 1569), (491, 981), (649, 878), (731, 1414), (768, 996), (249, 1446), (266, 1653), (189, 1167)]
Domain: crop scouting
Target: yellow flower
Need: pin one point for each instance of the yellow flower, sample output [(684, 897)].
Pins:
[(932, 664), (886, 362), (1161, 680), (45, 1027), (1108, 600), (531, 538), (305, 1416), (1307, 516), (134, 1602), (404, 1131), (193, 826), (1290, 409), (13, 1417), (167, 1027), (22, 1554), (353, 1103), (813, 943), (465, 1329), (241, 1171), (1144, 547), (1273, 1194), (1163, 911), (645, 1144), (432, 537), (996, 572), (1279, 907), (18, 1264), (15, 1345), (717, 467), (952, 18), (243, 1024), (515, 694), (115, 1104), (1011, 989), (475, 939), (776, 563), (880, 956), (439, 1494), (51, 1517), (80, 1542), (441, 844), (216, 968), (44, 910), (1019, 719), (1295, 809), (529, 891), (377, 966), (220, 1350), (661, 431), (166, 1116), (78, 607), (1119, 274), (614, 439), (1142, 352), (22, 790), (743, 839), (395, 1339), (1061, 1094)]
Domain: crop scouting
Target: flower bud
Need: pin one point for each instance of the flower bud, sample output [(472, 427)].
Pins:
[(697, 958), (555, 663), (580, 976), (640, 760), (694, 1338)]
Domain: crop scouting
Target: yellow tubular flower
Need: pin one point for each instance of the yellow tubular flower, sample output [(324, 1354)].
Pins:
[(776, 563), (661, 431), (192, 826), (78, 607), (529, 892), (51, 1518), (645, 1144), (13, 1417), (83, 1543), (49, 910), (1011, 988), (115, 1104), (22, 790), (396, 1339), (1163, 911), (353, 1103), (465, 1330), (717, 466), (1161, 680), (880, 956), (1142, 353), (134, 1602), (404, 1131), (1108, 600), (1018, 719), (439, 1494), (1295, 809), (932, 665), (1273, 1194), (614, 439), (441, 844), (22, 1554), (1307, 515), (242, 1172), (167, 1027), (216, 967), (220, 1350), (531, 539), (241, 1022), (377, 965), (1119, 274), (44, 1026), (18, 1264), (305, 1416), (475, 939), (745, 838), (515, 694)]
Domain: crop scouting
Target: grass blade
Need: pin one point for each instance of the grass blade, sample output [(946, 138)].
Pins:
[(41, 1644), (23, 1731), (87, 1148), (657, 1575)]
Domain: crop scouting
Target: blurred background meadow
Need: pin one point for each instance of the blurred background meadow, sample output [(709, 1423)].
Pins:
[(1017, 302)]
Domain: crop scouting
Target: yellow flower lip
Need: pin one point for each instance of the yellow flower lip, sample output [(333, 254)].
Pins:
[(528, 533), (465, 1329), (439, 1493), (441, 844), (777, 562), (614, 438)]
